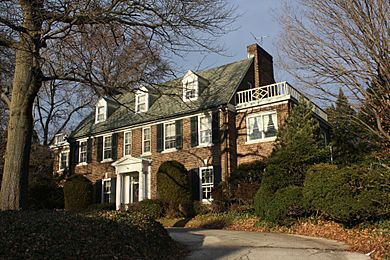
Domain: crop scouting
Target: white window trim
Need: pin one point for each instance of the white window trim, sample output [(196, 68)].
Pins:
[(200, 184), (196, 87), (107, 159), (261, 140), (169, 149), (67, 160), (211, 129), (124, 142), (150, 140), (109, 193), (138, 93), (79, 159)]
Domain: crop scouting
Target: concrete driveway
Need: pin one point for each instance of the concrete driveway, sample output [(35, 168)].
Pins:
[(223, 244)]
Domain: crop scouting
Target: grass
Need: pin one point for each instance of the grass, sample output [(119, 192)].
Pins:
[(368, 238), (102, 235)]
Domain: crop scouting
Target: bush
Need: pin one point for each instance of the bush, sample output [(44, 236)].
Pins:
[(45, 193), (173, 188), (151, 208), (64, 235), (102, 206), (77, 192), (349, 194), (286, 205), (244, 182)]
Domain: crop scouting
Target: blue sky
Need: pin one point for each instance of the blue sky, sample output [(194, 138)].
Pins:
[(256, 17)]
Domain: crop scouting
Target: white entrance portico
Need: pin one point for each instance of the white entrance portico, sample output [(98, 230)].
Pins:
[(133, 180)]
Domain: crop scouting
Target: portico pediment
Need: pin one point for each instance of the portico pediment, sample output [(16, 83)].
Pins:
[(127, 160)]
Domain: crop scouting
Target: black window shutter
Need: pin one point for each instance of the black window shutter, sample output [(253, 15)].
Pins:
[(113, 190), (215, 127), (74, 155), (89, 150), (195, 184), (160, 137), (76, 152), (194, 131), (98, 192), (99, 148), (114, 146), (217, 175), (179, 134)]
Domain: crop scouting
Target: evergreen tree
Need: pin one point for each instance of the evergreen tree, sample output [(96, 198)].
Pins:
[(298, 146), (346, 144)]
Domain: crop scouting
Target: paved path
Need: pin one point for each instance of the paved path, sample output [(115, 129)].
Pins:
[(223, 244)]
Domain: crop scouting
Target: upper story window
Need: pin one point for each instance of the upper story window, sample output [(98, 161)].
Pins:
[(261, 126), (141, 100), (170, 135), (205, 129), (83, 151), (101, 111), (60, 139), (206, 182), (190, 86), (64, 160), (107, 147), (146, 140), (127, 143)]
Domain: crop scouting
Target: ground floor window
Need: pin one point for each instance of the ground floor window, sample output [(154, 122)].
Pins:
[(206, 182), (106, 190), (64, 160)]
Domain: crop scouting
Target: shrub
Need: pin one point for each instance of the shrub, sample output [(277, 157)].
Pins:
[(244, 182), (173, 188), (102, 206), (151, 208), (77, 192), (350, 194), (98, 235), (286, 205), (45, 193)]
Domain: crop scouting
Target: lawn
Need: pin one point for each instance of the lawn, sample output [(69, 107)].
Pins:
[(108, 234)]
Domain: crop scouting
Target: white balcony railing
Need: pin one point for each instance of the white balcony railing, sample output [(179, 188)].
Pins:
[(271, 93)]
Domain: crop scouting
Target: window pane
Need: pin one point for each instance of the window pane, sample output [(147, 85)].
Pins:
[(146, 140), (207, 178), (170, 136), (127, 143), (205, 129), (83, 152), (254, 128), (107, 147)]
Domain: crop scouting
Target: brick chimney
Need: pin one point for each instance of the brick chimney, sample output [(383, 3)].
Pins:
[(264, 71)]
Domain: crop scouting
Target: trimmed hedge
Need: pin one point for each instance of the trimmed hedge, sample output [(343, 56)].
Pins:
[(349, 194), (101, 235), (45, 193), (149, 207), (173, 188), (286, 205), (77, 192)]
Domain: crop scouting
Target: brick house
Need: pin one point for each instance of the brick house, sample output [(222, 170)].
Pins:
[(210, 121)]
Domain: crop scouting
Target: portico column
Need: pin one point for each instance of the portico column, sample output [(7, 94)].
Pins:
[(119, 190)]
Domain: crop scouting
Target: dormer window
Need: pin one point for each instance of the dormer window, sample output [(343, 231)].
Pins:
[(190, 86), (141, 100), (101, 114), (190, 92), (101, 111)]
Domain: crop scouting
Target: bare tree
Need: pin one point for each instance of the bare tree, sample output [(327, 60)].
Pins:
[(330, 44), (34, 26)]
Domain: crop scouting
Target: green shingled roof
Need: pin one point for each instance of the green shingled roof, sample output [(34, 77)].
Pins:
[(168, 101)]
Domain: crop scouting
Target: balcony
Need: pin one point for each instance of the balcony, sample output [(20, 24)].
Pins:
[(272, 93)]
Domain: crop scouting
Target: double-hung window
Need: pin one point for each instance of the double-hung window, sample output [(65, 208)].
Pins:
[(101, 114), (261, 126), (64, 160), (107, 147), (146, 140), (127, 143), (207, 182), (83, 152), (141, 102), (170, 135), (190, 90), (205, 127), (106, 190)]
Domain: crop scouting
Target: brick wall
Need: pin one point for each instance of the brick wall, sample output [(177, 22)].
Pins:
[(257, 151)]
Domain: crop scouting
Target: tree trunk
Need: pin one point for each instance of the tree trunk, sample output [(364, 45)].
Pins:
[(26, 83)]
